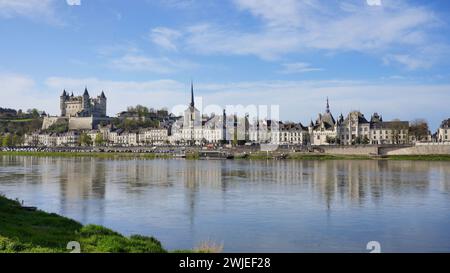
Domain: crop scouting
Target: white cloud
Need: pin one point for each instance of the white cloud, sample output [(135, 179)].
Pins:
[(276, 13), (427, 101), (20, 92), (408, 61), (293, 68), (423, 101), (120, 94), (165, 37), (34, 9), (73, 2), (136, 62), (374, 2), (290, 26)]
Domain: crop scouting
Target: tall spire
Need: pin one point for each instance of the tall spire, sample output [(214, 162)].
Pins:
[(86, 93), (328, 106), (192, 94)]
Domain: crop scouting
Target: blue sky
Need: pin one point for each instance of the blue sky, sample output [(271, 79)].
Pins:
[(389, 56)]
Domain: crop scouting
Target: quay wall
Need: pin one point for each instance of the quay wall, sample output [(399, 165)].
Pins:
[(438, 149), (349, 150)]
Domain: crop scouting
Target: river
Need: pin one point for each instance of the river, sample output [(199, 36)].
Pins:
[(248, 206)]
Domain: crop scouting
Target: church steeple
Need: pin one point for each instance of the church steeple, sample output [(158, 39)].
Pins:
[(86, 93), (328, 106), (192, 94)]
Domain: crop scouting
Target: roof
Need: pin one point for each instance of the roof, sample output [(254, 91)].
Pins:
[(445, 124), (355, 116), (390, 125)]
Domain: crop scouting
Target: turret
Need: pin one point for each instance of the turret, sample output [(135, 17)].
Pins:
[(86, 101), (103, 101), (62, 104)]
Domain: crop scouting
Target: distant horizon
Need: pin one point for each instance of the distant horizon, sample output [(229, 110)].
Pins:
[(385, 56), (186, 104)]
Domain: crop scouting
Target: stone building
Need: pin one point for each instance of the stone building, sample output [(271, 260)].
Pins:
[(443, 134), (195, 129), (388, 132), (79, 112), (83, 106), (353, 129), (324, 130)]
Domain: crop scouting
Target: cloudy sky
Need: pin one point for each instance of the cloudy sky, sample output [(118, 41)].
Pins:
[(389, 56)]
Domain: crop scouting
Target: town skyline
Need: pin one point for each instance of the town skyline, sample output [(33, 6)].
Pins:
[(395, 62), (327, 103)]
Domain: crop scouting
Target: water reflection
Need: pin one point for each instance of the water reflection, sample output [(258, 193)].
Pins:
[(185, 201)]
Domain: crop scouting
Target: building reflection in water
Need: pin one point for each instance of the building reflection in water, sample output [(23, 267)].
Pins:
[(354, 182)]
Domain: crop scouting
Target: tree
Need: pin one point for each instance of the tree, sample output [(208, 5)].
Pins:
[(33, 112), (58, 128), (99, 139), (419, 129), (7, 141), (365, 140), (331, 140), (396, 128), (85, 140), (16, 140)]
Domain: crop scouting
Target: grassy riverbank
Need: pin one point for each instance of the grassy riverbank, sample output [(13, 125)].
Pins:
[(253, 156), (93, 154), (22, 230)]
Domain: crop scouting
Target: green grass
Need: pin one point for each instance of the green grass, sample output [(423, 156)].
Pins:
[(93, 154), (192, 155), (37, 231), (16, 120)]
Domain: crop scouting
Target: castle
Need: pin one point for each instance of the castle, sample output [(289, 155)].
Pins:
[(79, 112), (83, 106)]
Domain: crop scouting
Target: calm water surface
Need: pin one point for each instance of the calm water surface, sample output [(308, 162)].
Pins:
[(249, 206)]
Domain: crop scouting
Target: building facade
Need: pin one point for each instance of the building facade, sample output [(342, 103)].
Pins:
[(443, 134), (83, 106)]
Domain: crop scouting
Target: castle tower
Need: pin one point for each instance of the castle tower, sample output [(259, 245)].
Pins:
[(103, 102), (86, 102), (62, 103)]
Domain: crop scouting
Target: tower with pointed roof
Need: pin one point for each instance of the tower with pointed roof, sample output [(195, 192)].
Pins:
[(62, 105), (192, 120), (86, 101)]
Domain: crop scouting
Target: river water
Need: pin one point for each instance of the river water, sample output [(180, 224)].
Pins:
[(248, 206)]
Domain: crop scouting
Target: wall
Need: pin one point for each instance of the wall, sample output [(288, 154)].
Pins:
[(430, 149), (81, 123), (350, 150), (49, 121)]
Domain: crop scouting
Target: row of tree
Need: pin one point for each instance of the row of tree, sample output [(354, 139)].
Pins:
[(86, 140), (10, 140)]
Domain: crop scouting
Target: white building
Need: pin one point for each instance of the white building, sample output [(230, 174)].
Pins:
[(443, 134), (153, 136), (324, 130)]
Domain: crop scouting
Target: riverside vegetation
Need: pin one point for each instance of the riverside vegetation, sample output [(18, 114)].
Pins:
[(25, 230), (28, 231), (252, 156)]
